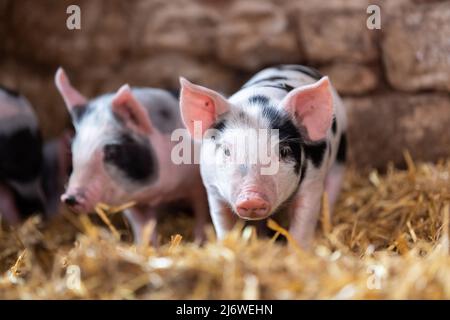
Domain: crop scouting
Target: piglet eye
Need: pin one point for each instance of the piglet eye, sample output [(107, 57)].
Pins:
[(285, 151), (226, 151)]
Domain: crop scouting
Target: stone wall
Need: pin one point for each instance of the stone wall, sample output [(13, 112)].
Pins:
[(395, 81)]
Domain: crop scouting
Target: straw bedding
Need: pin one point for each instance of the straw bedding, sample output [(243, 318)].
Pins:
[(388, 239)]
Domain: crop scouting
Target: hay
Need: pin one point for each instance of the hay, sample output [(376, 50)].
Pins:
[(388, 238)]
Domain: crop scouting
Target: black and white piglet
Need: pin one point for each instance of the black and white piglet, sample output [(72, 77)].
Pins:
[(296, 115), (21, 191), (122, 152)]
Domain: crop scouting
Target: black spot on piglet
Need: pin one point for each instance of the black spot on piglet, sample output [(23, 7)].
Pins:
[(315, 152), (312, 72), (334, 126), (288, 134), (220, 125), (10, 91), (272, 79), (20, 155), (132, 157), (78, 112), (259, 100), (342, 150)]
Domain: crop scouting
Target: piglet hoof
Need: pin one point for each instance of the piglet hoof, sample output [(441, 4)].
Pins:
[(199, 234)]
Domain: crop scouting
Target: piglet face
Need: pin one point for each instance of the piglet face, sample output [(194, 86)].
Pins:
[(91, 183), (255, 170), (110, 164), (112, 158), (250, 154), (253, 144), (88, 183)]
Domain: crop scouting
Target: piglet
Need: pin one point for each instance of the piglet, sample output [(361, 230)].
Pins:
[(21, 191), (275, 145), (121, 152)]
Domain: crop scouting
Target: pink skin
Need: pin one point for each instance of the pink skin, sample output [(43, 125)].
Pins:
[(91, 182), (252, 206), (255, 194), (211, 105), (64, 156), (312, 106), (255, 199), (70, 95), (87, 188)]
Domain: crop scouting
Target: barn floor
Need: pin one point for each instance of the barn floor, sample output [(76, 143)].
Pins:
[(388, 239)]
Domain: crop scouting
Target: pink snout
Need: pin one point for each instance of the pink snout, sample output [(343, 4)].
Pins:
[(253, 207), (75, 201)]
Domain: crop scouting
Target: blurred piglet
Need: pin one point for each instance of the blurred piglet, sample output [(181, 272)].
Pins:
[(21, 191), (122, 152), (57, 166), (275, 145)]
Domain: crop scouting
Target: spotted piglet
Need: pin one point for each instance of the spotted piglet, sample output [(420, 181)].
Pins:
[(121, 152), (21, 191), (274, 145)]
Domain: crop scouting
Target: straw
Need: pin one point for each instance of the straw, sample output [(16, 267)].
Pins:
[(388, 238)]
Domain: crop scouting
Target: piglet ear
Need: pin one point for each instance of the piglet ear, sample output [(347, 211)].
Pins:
[(312, 107), (75, 101), (131, 111), (200, 105)]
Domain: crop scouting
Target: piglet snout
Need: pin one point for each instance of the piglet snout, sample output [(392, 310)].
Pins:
[(253, 208), (70, 201), (74, 201)]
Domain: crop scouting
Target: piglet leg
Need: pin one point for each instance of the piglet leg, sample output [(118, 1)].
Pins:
[(333, 183), (8, 208), (222, 216), (139, 219), (201, 211), (305, 211)]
